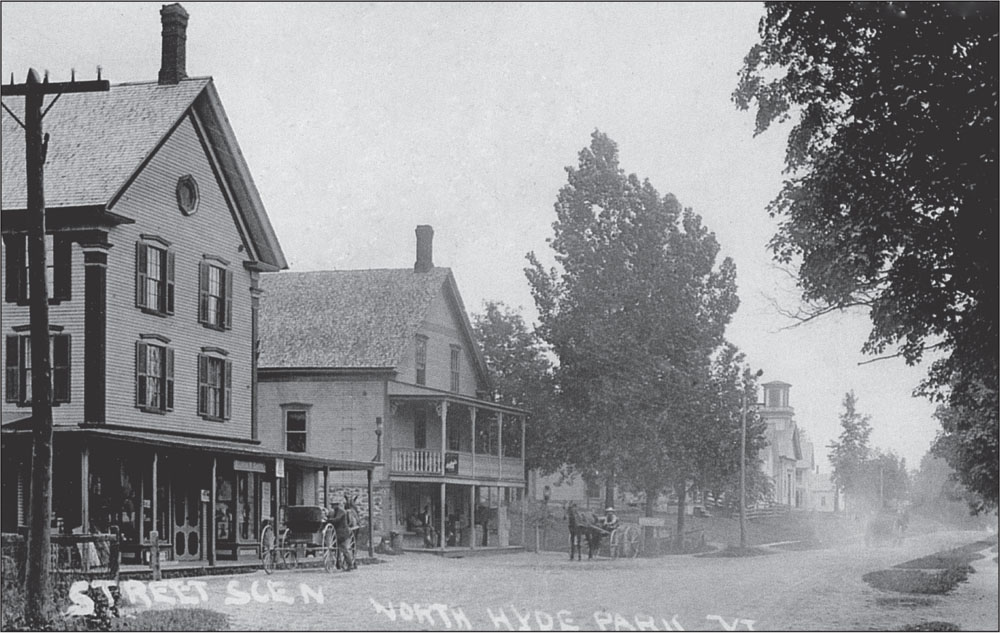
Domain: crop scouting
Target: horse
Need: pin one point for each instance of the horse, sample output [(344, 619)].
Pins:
[(885, 527), (580, 527)]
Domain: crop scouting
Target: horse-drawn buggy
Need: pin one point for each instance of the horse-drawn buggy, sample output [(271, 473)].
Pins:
[(622, 538), (311, 531)]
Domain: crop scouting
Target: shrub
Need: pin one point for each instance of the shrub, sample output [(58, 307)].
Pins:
[(915, 580)]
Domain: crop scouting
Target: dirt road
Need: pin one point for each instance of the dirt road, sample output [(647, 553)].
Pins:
[(789, 590)]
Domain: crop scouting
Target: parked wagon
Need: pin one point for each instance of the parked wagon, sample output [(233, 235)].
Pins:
[(307, 532)]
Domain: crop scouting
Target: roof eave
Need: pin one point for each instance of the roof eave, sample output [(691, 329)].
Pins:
[(237, 173)]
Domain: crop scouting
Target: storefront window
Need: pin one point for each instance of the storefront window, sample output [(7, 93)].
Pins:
[(224, 508), (246, 506)]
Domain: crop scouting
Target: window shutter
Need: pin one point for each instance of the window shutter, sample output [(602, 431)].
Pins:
[(24, 397), (168, 379), (141, 253), (15, 283), (63, 266), (12, 375), (202, 386), (140, 374), (61, 354), (168, 300), (229, 389), (228, 299), (203, 292)]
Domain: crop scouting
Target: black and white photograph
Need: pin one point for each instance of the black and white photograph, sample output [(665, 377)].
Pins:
[(484, 316)]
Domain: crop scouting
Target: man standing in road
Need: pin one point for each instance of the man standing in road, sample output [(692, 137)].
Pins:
[(344, 536)]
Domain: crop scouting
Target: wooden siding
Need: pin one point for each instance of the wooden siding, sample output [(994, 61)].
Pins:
[(70, 316), (212, 230), (340, 422), (443, 328)]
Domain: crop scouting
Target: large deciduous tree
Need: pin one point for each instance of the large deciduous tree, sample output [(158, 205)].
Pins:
[(634, 311), (522, 377), (891, 196)]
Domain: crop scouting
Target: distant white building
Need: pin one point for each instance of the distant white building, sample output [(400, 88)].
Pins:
[(783, 452)]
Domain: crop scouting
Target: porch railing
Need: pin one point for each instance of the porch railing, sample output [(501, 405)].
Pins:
[(418, 461), (428, 462)]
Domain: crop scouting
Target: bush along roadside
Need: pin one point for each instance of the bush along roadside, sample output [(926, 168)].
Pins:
[(937, 573)]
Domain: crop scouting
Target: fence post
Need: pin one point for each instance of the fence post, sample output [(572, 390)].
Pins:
[(154, 553)]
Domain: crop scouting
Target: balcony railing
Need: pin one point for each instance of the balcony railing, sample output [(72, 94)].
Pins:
[(416, 461), (426, 462)]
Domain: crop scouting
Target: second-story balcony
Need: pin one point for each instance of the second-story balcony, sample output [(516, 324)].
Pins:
[(460, 464)]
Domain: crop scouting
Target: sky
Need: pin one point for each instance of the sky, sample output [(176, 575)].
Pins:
[(361, 121)]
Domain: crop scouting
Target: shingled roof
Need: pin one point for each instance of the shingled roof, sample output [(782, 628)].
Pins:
[(97, 140), (344, 318), (100, 140)]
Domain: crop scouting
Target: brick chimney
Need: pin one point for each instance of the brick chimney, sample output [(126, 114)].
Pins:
[(425, 249), (173, 62)]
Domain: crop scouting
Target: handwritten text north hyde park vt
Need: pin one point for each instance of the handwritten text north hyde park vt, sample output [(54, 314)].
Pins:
[(511, 618)]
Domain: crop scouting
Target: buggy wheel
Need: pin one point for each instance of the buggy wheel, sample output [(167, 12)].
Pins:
[(287, 552), (329, 548), (630, 542), (267, 551)]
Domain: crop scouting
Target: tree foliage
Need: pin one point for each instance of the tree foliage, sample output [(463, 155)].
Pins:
[(522, 377), (891, 199), (851, 450), (634, 311)]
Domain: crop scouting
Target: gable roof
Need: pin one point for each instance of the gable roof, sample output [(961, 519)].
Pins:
[(359, 319), (99, 141)]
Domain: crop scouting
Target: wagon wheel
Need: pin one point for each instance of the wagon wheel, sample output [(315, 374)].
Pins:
[(630, 542), (614, 543), (287, 552), (267, 551), (329, 548)]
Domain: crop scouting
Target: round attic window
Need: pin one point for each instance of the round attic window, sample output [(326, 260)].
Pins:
[(187, 194)]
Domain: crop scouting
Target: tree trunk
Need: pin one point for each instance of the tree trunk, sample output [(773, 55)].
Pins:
[(609, 491), (648, 510), (681, 489)]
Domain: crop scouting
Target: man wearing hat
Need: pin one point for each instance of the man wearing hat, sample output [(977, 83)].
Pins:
[(338, 516), (610, 519)]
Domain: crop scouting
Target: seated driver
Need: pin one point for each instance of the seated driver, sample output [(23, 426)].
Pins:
[(610, 519)]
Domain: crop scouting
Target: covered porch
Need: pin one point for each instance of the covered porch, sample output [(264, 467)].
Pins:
[(201, 499)]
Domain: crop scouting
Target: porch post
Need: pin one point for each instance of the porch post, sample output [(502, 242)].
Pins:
[(441, 534), (499, 445), (210, 519), (326, 486), (443, 412), (472, 512), (156, 496), (473, 442), (85, 488), (371, 533)]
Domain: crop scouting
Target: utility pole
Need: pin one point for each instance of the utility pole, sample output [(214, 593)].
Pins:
[(36, 145), (743, 460)]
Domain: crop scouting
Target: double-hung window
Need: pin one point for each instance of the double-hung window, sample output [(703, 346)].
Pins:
[(295, 431), (58, 260), (154, 374), (154, 275), (17, 374), (420, 430), (420, 361), (215, 384), (215, 293), (456, 355)]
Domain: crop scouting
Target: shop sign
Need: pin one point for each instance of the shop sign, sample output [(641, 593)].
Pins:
[(279, 467), (248, 466), (451, 463)]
